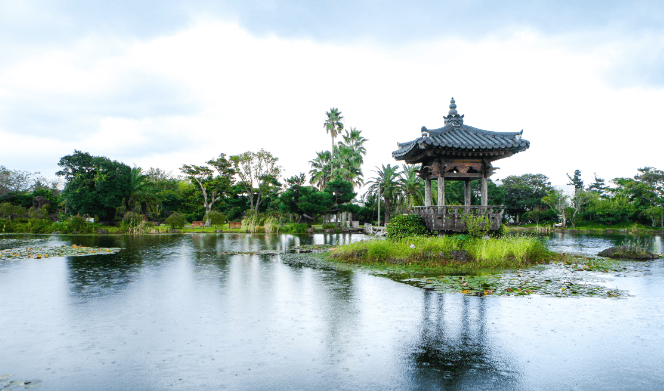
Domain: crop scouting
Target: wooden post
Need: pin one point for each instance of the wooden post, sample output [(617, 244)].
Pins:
[(441, 191), (466, 196), (427, 192), (485, 192)]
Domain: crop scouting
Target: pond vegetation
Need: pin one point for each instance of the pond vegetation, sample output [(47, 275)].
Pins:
[(450, 254), (38, 252)]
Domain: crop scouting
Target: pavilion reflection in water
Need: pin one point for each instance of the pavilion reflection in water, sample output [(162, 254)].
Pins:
[(454, 350)]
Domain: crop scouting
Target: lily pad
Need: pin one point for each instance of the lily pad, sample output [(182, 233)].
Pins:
[(558, 280), (41, 252)]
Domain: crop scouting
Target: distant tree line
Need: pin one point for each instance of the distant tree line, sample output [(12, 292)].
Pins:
[(250, 184)]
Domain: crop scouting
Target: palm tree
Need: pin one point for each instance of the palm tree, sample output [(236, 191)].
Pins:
[(140, 193), (333, 124), (349, 157), (321, 169), (353, 138), (385, 184), (411, 185)]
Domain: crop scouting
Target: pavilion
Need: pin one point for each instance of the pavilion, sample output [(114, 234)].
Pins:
[(458, 152)]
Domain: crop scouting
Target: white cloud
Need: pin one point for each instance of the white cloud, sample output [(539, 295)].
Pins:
[(240, 92)]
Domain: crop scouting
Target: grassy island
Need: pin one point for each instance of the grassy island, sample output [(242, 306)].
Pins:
[(506, 266), (444, 255)]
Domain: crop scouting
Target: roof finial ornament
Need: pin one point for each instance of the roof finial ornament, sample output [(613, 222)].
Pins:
[(453, 116), (453, 106)]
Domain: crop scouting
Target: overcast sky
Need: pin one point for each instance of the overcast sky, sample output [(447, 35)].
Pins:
[(166, 83)]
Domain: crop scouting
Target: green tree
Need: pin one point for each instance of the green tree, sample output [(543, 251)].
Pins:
[(259, 175), (214, 180), (306, 202), (411, 186), (321, 169), (95, 185), (140, 192), (333, 123), (386, 185), (15, 180), (576, 181), (599, 187), (348, 157), (612, 210), (558, 202), (654, 178), (524, 193), (578, 203)]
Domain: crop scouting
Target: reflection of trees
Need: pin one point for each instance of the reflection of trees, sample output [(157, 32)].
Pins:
[(99, 275), (453, 351)]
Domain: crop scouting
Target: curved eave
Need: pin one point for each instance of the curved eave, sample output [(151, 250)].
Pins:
[(415, 148)]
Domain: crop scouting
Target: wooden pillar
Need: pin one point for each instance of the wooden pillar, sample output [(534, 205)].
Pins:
[(466, 196), (485, 192), (427, 192), (441, 191)]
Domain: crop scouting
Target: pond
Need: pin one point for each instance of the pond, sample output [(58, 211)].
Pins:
[(176, 312)]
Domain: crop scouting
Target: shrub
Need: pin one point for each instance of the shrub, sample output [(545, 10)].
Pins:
[(477, 225), (271, 224), (5, 226), (214, 218), (295, 228), (251, 221), (329, 226), (36, 213), (176, 220), (80, 225), (9, 211), (73, 224), (402, 226), (132, 219)]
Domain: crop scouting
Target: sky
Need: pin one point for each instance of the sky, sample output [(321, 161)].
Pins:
[(167, 83)]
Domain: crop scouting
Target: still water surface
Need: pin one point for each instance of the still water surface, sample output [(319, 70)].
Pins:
[(174, 312)]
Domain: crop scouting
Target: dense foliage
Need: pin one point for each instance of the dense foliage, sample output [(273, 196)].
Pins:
[(95, 185), (402, 226)]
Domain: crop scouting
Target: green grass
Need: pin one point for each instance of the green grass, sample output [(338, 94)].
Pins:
[(591, 225), (432, 255)]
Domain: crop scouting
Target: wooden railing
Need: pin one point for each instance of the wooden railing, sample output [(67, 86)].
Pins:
[(450, 217), (461, 209), (373, 229)]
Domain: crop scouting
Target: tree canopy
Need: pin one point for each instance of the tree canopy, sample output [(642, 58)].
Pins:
[(95, 185)]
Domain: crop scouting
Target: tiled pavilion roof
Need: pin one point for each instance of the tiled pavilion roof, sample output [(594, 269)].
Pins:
[(457, 139)]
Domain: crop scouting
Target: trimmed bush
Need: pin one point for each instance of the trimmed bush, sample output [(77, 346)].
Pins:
[(402, 226), (176, 220), (295, 228), (215, 218)]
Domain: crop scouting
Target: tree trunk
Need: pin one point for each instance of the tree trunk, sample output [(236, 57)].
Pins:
[(387, 211)]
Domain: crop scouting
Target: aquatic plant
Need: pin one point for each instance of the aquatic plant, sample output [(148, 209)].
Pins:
[(493, 253), (271, 224)]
